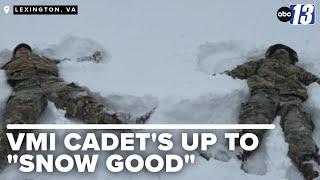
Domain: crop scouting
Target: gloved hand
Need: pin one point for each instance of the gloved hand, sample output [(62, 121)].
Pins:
[(224, 72)]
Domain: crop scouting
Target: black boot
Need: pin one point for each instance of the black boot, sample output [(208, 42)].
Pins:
[(244, 156), (307, 170), (144, 118)]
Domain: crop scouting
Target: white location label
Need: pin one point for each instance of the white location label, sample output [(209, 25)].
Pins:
[(6, 9)]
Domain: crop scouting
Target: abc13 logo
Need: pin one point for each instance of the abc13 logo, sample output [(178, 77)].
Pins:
[(298, 14)]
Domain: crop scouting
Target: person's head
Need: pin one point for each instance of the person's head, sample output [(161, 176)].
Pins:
[(280, 51), (21, 50)]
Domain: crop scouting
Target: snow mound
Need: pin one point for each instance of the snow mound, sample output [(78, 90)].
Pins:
[(217, 57), (72, 47)]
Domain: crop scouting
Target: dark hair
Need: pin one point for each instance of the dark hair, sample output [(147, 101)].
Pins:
[(21, 45), (292, 53)]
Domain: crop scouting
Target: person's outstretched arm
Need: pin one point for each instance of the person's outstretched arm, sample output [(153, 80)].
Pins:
[(307, 78), (245, 70)]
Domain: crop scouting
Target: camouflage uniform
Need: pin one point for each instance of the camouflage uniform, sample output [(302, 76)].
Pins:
[(35, 80), (277, 87)]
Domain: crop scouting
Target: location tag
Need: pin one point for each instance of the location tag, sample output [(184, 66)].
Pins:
[(6, 9)]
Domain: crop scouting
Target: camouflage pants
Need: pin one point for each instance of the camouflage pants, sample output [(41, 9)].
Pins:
[(26, 105), (296, 123)]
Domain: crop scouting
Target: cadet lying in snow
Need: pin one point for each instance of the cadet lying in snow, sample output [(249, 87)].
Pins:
[(278, 87), (35, 80)]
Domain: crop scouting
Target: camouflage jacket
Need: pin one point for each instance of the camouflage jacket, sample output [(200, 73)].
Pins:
[(30, 71), (275, 74)]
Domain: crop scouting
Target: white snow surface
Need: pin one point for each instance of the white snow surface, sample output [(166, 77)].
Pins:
[(163, 53)]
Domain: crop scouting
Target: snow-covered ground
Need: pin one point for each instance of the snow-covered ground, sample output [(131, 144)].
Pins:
[(163, 53)]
